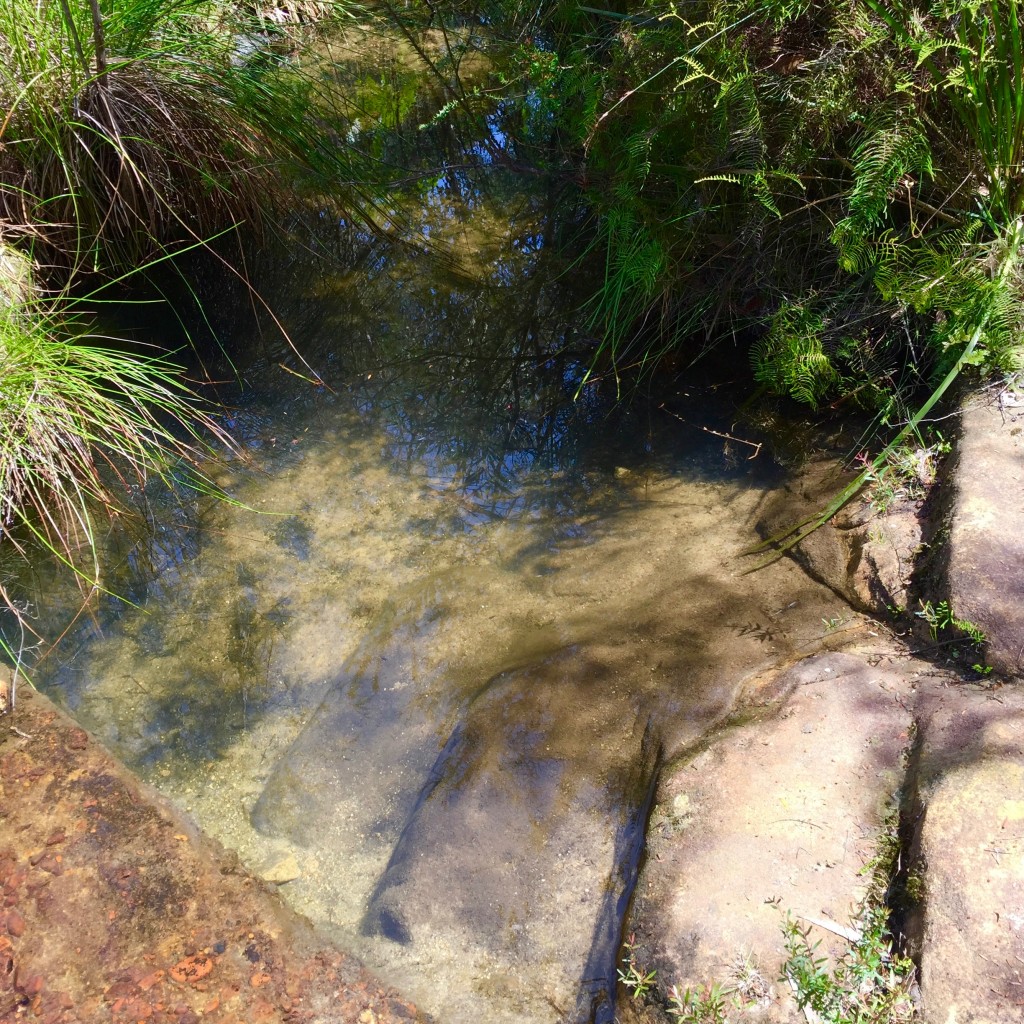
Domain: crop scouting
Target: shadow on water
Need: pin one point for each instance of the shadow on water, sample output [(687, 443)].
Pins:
[(469, 604)]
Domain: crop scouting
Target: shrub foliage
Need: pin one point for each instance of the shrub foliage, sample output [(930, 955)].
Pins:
[(838, 184)]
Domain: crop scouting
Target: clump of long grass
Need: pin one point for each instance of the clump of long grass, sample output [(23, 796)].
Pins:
[(131, 125), (122, 129), (81, 421), (130, 130)]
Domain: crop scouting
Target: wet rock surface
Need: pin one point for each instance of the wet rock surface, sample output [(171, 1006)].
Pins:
[(466, 806), (984, 573), (865, 554), (115, 909), (532, 827)]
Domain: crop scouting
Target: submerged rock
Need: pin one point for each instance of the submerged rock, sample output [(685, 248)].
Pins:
[(522, 852), (280, 869), (349, 782), (865, 555)]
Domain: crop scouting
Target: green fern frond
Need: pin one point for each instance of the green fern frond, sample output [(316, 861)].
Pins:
[(729, 179), (758, 186), (791, 359), (741, 113), (693, 71), (895, 147)]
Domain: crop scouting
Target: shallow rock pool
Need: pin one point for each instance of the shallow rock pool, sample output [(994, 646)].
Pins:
[(429, 659)]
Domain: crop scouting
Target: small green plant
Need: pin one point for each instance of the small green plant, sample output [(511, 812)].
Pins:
[(940, 618), (632, 976), (906, 472), (698, 1006), (914, 887), (868, 984)]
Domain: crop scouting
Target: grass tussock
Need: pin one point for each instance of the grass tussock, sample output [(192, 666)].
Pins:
[(134, 124), (130, 130), (81, 422)]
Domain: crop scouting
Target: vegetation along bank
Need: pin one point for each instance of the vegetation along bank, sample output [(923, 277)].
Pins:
[(834, 187)]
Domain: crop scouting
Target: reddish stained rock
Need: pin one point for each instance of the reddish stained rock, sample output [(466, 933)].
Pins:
[(31, 986), (192, 968), (147, 982), (36, 885), (51, 864), (15, 924), (77, 739), (119, 990), (124, 900), (262, 1010)]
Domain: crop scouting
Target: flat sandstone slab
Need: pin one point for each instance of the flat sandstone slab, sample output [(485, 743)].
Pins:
[(970, 846), (530, 832), (774, 815), (985, 573), (113, 908)]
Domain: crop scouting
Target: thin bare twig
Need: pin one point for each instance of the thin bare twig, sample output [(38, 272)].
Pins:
[(756, 445)]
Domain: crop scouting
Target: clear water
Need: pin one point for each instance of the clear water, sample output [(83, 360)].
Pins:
[(457, 619)]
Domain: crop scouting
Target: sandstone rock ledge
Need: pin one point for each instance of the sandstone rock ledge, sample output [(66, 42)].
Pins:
[(983, 559), (962, 550), (967, 787), (779, 813), (113, 908)]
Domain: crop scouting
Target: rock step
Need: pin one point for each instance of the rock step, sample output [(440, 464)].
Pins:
[(984, 556), (774, 815), (967, 853), (779, 813), (522, 853)]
